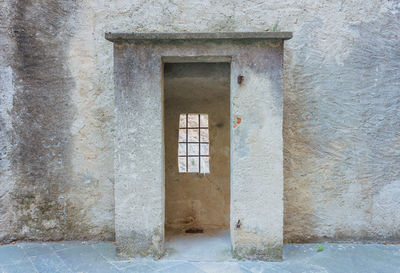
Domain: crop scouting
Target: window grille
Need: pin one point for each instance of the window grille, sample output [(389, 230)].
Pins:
[(193, 144)]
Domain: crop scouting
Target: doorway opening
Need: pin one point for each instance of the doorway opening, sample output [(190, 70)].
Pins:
[(197, 160)]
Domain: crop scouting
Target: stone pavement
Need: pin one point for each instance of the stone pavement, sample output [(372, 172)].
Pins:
[(100, 257)]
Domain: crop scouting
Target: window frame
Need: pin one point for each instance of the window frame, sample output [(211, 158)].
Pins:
[(199, 154)]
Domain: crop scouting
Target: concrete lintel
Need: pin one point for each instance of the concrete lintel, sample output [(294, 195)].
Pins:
[(164, 36)]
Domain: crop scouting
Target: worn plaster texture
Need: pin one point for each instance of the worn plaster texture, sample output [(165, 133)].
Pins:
[(192, 200), (256, 144), (57, 176), (7, 92), (6, 184), (139, 153), (340, 118)]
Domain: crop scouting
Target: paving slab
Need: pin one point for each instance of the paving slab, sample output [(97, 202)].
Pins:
[(106, 250), (38, 250), (19, 267), (85, 259), (71, 257), (50, 263), (11, 254), (217, 267), (183, 267)]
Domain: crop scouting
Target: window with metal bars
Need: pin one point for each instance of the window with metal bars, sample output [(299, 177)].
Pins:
[(193, 144)]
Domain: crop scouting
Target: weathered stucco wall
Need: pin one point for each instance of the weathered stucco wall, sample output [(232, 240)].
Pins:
[(56, 170), (192, 200), (341, 111)]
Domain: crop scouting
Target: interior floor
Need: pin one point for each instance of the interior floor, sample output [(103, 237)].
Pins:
[(203, 247)]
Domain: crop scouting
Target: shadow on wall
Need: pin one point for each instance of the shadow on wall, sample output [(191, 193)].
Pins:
[(42, 117)]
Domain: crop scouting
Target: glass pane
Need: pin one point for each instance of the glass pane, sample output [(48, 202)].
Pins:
[(193, 120), (205, 164), (203, 135), (193, 135), (203, 120), (204, 149), (182, 135), (182, 149), (193, 149), (182, 121), (182, 164), (193, 164)]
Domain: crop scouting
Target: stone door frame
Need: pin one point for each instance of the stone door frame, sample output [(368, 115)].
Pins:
[(256, 220)]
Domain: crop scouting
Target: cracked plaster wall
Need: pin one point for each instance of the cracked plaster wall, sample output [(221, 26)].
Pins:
[(341, 111)]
